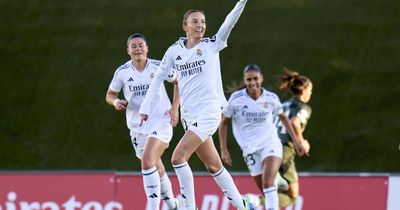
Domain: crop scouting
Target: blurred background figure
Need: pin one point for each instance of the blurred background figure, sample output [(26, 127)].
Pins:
[(299, 112)]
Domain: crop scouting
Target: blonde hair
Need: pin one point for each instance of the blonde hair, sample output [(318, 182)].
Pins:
[(186, 15)]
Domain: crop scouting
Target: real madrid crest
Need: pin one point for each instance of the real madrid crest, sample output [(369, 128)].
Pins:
[(266, 105), (199, 52), (152, 75)]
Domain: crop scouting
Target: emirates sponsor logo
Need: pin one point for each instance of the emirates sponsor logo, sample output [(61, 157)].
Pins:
[(14, 203)]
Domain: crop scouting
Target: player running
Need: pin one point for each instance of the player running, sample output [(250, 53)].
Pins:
[(252, 109), (151, 139), (299, 112)]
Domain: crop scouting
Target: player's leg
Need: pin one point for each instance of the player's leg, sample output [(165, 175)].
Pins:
[(289, 173), (153, 150), (289, 197), (271, 164), (185, 148), (166, 192), (258, 180), (253, 162), (208, 154)]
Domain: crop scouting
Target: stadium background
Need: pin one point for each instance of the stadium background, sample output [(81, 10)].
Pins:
[(58, 57)]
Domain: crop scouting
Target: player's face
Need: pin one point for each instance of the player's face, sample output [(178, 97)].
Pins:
[(137, 49), (195, 25), (307, 93), (253, 81)]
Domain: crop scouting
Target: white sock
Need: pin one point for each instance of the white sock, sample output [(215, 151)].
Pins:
[(271, 198), (186, 183), (225, 182), (151, 184), (166, 192)]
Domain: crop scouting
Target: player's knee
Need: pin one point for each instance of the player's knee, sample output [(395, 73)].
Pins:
[(176, 160), (293, 195), (213, 168), (146, 166), (268, 181), (147, 163), (161, 171)]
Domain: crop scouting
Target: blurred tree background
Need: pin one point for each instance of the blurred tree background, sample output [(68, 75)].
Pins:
[(58, 57)]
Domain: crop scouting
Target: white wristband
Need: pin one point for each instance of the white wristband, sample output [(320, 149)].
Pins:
[(115, 102)]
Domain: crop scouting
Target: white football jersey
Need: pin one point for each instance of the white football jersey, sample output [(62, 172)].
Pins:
[(252, 120), (135, 85), (198, 70)]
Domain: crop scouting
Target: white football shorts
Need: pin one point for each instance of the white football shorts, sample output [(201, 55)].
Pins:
[(161, 131), (254, 160), (203, 125)]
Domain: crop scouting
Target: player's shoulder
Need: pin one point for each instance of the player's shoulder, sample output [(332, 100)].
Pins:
[(207, 40), (237, 94), (154, 62), (270, 94), (304, 106), (123, 67), (179, 44), (296, 104)]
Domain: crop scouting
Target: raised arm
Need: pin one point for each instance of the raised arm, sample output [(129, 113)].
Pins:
[(230, 21)]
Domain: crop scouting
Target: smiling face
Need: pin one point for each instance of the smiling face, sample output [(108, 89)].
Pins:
[(253, 81), (194, 24), (137, 49)]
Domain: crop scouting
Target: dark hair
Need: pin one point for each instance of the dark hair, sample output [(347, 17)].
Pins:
[(234, 85), (252, 67), (186, 15), (292, 82), (136, 35)]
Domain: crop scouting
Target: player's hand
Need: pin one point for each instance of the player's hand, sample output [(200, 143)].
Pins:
[(143, 117), (174, 114), (120, 104), (306, 146), (300, 150), (226, 157)]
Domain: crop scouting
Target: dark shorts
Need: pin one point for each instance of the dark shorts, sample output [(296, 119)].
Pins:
[(288, 168)]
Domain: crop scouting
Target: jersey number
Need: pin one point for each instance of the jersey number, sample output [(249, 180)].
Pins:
[(279, 124), (249, 160)]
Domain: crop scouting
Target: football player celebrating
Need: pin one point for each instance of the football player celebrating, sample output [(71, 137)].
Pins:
[(149, 140), (196, 62)]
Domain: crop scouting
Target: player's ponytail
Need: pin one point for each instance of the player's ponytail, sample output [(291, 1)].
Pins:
[(292, 82)]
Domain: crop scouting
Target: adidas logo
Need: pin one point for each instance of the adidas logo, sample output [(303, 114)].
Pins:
[(195, 124), (178, 58), (153, 196), (245, 107), (170, 75), (130, 79), (154, 133)]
